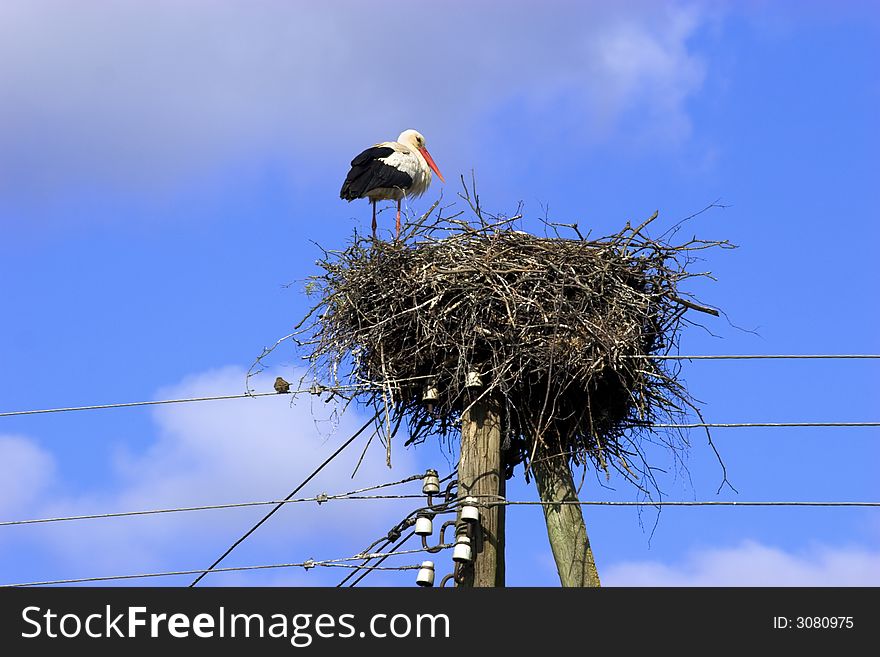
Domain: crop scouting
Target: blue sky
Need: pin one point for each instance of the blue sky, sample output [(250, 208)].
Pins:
[(165, 167)]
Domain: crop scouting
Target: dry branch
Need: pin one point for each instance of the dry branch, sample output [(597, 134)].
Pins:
[(550, 325)]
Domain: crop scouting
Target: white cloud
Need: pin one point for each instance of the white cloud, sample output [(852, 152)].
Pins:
[(145, 92), (205, 453), (26, 472), (753, 564), (638, 64)]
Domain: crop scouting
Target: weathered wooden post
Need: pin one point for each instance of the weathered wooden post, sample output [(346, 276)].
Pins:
[(480, 475), (565, 521)]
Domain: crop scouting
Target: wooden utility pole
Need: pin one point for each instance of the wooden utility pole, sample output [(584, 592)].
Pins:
[(480, 474), (565, 522)]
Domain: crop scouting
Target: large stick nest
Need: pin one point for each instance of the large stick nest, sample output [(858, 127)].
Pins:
[(559, 330)]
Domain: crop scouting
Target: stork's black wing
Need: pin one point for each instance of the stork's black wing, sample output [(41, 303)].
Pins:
[(368, 172)]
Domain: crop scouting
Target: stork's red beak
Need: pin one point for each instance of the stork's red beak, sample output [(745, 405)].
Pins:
[(430, 161)]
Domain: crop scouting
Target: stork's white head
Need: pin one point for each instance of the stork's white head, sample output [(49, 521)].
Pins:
[(412, 138), (415, 140)]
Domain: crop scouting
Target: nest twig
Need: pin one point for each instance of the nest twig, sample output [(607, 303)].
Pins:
[(557, 328)]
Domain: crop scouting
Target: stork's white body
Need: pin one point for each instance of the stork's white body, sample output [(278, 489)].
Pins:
[(391, 171), (410, 161)]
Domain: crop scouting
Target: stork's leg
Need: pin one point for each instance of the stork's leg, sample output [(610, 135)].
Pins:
[(398, 219), (373, 203)]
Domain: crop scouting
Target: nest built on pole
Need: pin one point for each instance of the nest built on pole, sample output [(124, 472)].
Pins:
[(557, 330)]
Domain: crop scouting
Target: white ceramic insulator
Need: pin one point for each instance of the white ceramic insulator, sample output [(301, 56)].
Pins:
[(462, 551), (424, 526), (426, 574)]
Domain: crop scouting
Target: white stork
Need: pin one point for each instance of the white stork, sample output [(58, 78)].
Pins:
[(391, 171)]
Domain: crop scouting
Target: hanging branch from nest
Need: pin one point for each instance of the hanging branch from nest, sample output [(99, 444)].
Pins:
[(549, 325)]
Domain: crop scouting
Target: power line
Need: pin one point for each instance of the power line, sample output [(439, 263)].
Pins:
[(376, 566), (294, 492), (320, 388), (388, 539), (679, 503), (145, 403), (695, 425), (408, 521), (320, 499), (327, 563), (208, 507), (315, 389), (366, 557)]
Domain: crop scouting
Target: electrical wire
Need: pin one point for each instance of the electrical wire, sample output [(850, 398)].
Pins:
[(366, 557), (679, 503), (320, 499), (375, 566), (410, 519), (148, 403), (314, 390), (294, 492), (351, 387), (327, 563)]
